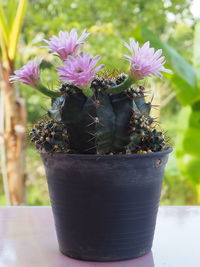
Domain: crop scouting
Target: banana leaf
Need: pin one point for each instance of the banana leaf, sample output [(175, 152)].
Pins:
[(184, 77), (185, 80), (196, 54)]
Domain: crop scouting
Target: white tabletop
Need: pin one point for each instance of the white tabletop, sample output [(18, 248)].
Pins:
[(27, 239)]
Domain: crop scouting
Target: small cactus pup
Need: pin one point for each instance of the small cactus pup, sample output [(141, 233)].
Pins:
[(101, 150), (50, 136), (101, 115)]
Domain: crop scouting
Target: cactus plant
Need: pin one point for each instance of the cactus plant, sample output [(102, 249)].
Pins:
[(50, 136), (103, 114), (93, 113)]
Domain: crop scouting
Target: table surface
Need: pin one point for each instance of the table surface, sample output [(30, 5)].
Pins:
[(27, 239)]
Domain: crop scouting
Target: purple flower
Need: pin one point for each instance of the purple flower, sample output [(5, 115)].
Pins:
[(145, 61), (28, 74), (67, 43), (79, 70)]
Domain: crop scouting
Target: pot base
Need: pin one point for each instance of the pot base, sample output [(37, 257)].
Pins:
[(102, 259)]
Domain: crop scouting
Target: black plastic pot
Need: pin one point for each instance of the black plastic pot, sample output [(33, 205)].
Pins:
[(105, 206)]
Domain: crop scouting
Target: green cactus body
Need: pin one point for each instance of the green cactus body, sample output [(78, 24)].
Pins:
[(76, 111), (122, 106), (105, 123), (50, 136), (105, 128)]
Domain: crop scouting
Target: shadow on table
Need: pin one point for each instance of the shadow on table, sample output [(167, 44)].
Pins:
[(144, 261)]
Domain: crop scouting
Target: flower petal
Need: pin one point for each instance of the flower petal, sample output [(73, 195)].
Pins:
[(79, 70), (66, 43), (145, 60)]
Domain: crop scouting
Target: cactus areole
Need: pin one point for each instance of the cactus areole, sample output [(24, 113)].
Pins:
[(103, 153)]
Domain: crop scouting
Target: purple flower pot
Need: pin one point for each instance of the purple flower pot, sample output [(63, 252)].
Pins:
[(105, 206)]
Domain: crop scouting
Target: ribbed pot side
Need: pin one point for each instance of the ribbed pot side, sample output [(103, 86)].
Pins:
[(105, 206)]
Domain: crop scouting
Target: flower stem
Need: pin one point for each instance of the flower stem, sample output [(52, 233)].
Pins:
[(88, 92), (45, 91), (122, 86)]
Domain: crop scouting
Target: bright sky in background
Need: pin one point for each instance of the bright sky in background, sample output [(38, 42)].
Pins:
[(195, 8)]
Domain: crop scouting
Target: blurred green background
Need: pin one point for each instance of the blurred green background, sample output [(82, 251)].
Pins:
[(110, 23)]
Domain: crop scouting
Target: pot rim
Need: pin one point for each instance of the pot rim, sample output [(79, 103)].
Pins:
[(103, 156)]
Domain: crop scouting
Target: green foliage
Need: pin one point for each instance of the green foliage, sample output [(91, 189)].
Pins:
[(37, 191), (184, 75), (188, 145), (89, 12), (196, 55), (11, 20), (187, 80)]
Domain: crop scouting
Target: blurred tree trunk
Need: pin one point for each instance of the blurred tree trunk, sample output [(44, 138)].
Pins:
[(13, 112), (13, 141)]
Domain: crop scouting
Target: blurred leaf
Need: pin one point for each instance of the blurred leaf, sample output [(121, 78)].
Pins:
[(185, 93), (182, 125), (3, 48), (184, 76), (196, 57), (16, 28), (11, 11), (198, 193), (3, 25), (188, 144), (191, 142)]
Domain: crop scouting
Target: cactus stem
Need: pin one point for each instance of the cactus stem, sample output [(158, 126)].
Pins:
[(88, 92), (45, 91), (122, 86)]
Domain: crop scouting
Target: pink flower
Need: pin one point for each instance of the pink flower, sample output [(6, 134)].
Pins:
[(28, 74), (79, 70), (145, 61), (67, 43)]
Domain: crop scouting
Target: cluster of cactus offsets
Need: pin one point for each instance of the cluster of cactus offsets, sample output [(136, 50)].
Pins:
[(50, 136), (107, 123), (92, 113)]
